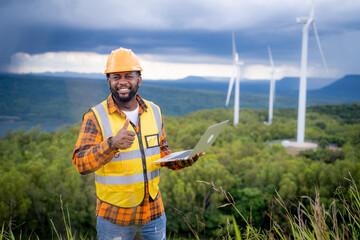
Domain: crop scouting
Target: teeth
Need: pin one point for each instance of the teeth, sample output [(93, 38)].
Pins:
[(123, 90)]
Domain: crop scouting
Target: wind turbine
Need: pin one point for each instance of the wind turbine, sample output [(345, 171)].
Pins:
[(307, 21), (235, 77), (272, 88)]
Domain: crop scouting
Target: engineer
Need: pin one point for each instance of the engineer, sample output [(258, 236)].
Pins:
[(118, 141)]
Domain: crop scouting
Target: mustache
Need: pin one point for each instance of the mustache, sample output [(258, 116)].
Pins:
[(123, 86)]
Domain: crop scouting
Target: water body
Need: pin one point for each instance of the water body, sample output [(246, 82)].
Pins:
[(46, 126)]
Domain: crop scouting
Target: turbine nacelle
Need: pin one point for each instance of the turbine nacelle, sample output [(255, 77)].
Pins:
[(279, 70), (304, 20), (239, 63)]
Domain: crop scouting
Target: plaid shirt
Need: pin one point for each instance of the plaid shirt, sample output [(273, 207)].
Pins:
[(92, 152)]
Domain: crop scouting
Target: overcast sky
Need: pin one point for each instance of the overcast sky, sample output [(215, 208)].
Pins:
[(177, 38)]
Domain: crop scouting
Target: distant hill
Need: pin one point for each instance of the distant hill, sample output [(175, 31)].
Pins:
[(258, 87), (346, 90), (70, 75), (286, 86), (43, 98)]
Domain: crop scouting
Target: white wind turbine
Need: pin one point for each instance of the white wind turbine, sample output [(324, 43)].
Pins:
[(235, 77), (307, 21), (272, 88)]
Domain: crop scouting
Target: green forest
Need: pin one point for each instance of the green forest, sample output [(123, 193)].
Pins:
[(245, 187)]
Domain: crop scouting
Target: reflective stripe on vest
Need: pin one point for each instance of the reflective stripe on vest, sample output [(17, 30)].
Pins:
[(135, 154), (157, 117), (107, 132), (136, 178)]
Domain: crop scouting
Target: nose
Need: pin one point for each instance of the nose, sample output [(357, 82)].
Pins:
[(122, 80), (122, 83)]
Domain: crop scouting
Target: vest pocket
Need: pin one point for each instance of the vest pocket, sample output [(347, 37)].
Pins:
[(152, 140)]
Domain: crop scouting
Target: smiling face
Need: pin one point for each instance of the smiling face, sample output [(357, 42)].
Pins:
[(124, 85)]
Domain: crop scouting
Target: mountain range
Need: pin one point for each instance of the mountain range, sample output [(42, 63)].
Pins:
[(313, 83), (44, 98), (344, 90)]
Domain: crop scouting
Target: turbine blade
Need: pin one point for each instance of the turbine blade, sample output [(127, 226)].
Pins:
[(312, 12), (231, 84), (271, 59), (319, 45), (233, 46)]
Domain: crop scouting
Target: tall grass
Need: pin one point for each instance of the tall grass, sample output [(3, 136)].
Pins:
[(340, 221), (7, 234), (69, 234)]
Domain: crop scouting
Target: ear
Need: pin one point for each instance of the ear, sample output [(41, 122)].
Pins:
[(139, 80), (108, 80)]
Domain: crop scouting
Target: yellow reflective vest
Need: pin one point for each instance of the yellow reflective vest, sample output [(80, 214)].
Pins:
[(121, 181)]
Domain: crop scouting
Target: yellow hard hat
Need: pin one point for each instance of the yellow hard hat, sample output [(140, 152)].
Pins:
[(122, 60)]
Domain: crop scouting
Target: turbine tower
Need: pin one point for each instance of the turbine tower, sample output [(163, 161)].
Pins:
[(307, 21), (235, 77), (272, 88)]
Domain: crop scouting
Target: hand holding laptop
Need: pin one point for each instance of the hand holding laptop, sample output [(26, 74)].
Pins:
[(191, 161)]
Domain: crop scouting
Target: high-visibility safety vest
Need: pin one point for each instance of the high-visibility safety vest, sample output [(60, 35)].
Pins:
[(121, 181)]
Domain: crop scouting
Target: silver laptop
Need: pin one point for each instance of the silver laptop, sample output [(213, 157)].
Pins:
[(204, 144)]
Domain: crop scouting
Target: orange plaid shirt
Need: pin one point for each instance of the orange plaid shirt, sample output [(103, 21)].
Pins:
[(92, 152)]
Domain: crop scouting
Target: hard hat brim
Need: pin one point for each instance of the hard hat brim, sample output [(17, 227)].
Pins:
[(123, 69)]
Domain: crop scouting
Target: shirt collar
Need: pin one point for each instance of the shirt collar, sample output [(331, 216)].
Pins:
[(113, 107)]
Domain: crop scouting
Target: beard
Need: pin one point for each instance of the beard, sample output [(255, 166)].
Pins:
[(130, 96)]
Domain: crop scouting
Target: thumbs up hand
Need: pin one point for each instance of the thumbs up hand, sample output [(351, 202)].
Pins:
[(124, 138)]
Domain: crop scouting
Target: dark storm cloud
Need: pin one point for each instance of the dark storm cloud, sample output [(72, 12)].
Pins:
[(177, 27)]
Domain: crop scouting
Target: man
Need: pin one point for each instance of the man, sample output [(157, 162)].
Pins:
[(119, 139)]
